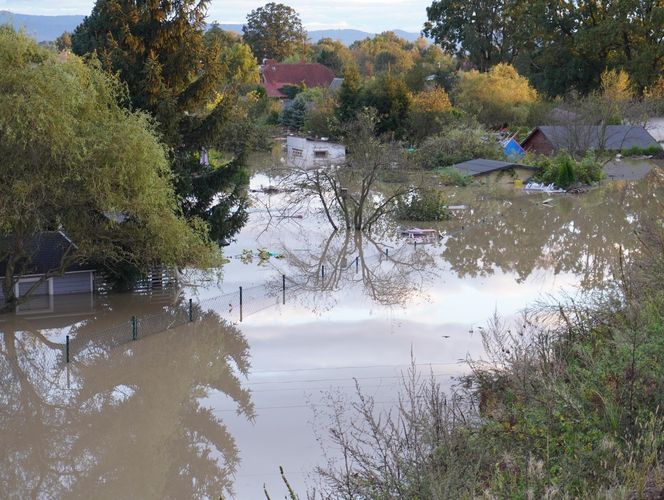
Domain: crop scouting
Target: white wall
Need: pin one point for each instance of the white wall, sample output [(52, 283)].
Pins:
[(306, 153)]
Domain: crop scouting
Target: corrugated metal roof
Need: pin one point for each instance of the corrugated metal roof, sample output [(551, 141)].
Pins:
[(481, 166)]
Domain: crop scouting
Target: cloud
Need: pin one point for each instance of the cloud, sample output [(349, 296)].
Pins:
[(368, 15)]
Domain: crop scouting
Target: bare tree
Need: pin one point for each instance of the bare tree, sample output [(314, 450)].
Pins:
[(348, 194)]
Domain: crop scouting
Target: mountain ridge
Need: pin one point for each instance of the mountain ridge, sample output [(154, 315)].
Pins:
[(48, 28)]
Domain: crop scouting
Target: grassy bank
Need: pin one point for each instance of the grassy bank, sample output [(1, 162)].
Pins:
[(566, 404)]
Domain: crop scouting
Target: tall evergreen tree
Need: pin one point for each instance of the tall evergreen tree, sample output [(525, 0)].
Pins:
[(159, 51), (349, 94)]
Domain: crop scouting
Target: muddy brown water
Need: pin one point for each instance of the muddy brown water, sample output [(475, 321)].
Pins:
[(214, 408)]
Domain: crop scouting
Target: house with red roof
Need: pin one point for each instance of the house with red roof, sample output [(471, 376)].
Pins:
[(275, 76)]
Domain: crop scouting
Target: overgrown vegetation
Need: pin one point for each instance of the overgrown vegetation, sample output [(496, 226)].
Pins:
[(567, 403), (563, 170), (455, 145), (423, 205), (450, 176)]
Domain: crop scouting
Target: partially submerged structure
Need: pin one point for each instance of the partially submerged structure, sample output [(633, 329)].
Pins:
[(416, 235), (46, 254), (275, 76), (303, 152), (551, 139), (495, 171)]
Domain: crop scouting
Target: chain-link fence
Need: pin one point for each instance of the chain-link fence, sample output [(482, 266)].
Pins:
[(234, 307)]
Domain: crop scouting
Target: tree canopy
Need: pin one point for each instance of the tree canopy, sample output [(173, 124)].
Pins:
[(560, 47), (71, 155), (498, 97), (274, 31), (159, 50)]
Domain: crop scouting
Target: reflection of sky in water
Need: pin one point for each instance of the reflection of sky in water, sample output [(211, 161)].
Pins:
[(511, 252)]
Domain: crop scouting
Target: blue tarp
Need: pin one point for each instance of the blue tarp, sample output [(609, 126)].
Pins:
[(513, 149)]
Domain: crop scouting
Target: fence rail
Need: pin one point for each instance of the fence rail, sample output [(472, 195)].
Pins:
[(233, 306)]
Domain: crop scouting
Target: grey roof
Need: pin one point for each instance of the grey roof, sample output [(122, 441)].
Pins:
[(336, 84), (610, 137), (46, 251), (480, 166)]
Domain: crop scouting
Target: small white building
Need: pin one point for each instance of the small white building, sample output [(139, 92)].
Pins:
[(309, 153)]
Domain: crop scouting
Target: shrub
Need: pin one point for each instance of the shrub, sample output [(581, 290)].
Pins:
[(424, 205), (564, 171), (636, 151), (450, 176), (455, 145)]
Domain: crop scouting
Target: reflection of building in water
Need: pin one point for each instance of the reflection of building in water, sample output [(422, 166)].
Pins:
[(309, 153)]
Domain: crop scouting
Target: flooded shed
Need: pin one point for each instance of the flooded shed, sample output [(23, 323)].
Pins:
[(303, 152), (494, 171)]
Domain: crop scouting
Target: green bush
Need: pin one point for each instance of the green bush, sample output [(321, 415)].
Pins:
[(564, 171), (456, 145), (424, 205), (450, 176), (636, 151)]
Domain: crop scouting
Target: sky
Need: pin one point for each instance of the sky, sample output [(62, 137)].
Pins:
[(366, 15)]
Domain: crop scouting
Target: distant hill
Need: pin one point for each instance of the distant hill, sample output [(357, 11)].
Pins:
[(48, 28), (42, 28), (347, 36)]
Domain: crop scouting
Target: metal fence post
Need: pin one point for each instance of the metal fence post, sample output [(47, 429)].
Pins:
[(283, 288), (240, 304), (191, 311), (322, 271), (67, 349), (357, 264), (134, 328)]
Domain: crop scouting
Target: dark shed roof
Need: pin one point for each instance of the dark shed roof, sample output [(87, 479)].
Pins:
[(47, 250), (610, 137), (480, 166)]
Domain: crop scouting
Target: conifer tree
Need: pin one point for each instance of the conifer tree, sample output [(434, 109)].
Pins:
[(160, 52)]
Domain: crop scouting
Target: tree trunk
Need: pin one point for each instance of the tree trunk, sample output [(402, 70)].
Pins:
[(8, 290)]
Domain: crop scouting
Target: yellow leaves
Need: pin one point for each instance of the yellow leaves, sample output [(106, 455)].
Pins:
[(657, 89), (616, 85), (431, 101), (497, 97)]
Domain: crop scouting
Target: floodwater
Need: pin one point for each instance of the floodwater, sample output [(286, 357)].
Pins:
[(215, 408)]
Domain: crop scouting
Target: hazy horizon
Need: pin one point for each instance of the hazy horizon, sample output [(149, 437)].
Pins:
[(408, 15)]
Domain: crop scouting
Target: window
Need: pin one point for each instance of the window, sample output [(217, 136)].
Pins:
[(320, 154)]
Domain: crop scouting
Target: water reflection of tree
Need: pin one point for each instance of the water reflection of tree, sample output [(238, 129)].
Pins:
[(355, 259), (580, 235), (130, 425)]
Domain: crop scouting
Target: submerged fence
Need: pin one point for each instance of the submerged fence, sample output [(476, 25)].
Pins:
[(234, 306)]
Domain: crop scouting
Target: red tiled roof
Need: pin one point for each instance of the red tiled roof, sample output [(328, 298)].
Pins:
[(277, 75)]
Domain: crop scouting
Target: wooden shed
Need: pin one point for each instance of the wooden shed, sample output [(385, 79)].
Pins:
[(46, 255), (551, 139), (495, 171)]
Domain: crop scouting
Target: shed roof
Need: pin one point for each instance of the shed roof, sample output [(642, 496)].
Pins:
[(481, 166), (336, 84), (277, 75), (46, 250), (610, 137)]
